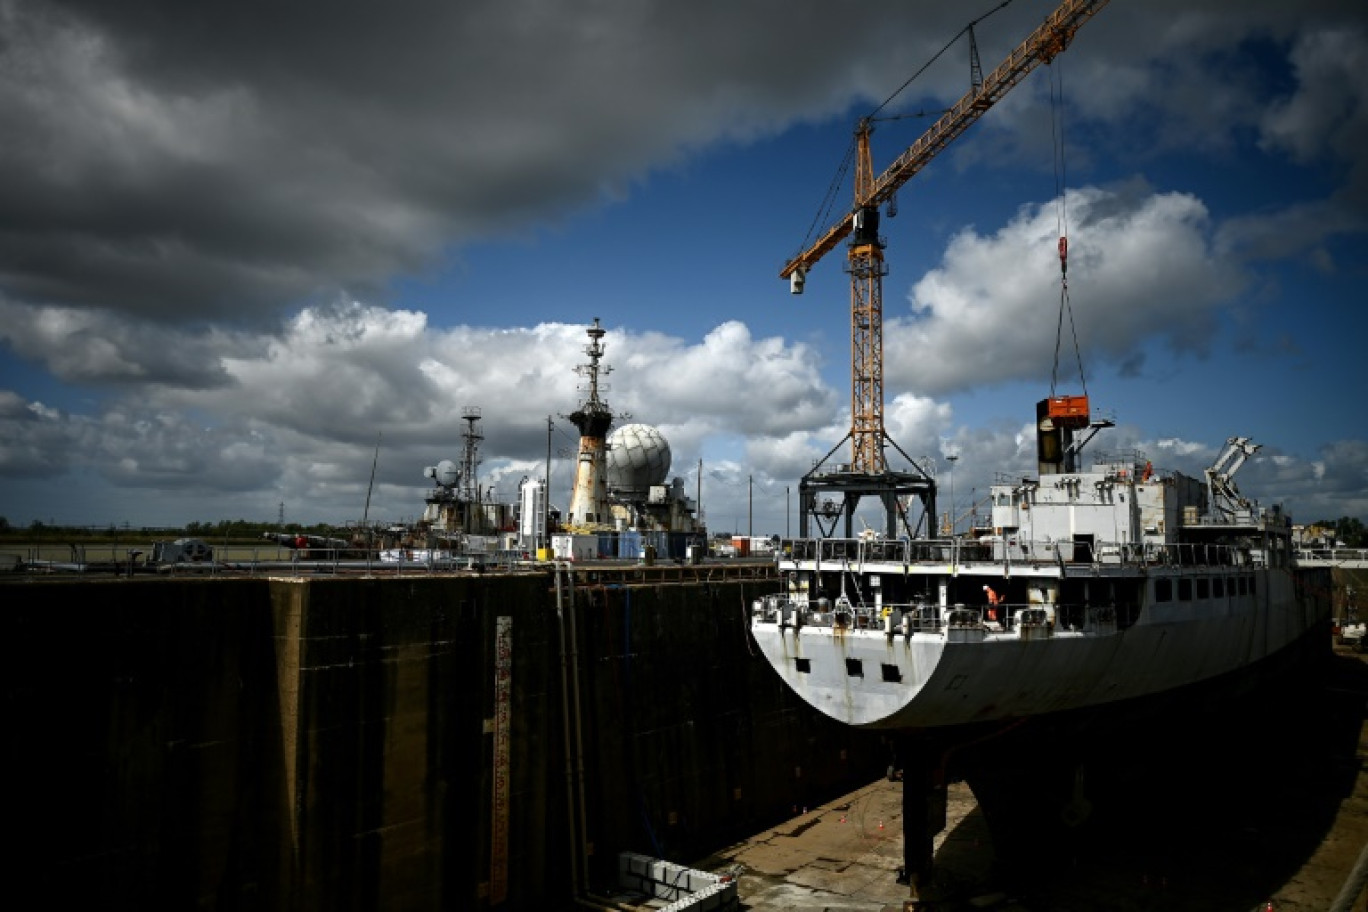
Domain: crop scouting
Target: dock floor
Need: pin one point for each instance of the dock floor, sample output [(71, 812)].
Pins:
[(1293, 844)]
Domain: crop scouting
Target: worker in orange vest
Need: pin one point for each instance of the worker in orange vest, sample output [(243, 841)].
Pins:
[(993, 600)]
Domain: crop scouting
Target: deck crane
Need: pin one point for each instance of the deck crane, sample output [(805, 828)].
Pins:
[(868, 472), (1226, 500)]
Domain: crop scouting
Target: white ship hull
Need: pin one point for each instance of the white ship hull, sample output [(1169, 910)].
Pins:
[(983, 671)]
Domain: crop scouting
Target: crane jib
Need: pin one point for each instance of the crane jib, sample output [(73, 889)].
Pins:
[(1044, 44)]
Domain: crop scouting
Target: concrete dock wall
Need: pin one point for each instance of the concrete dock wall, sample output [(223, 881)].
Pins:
[(331, 743)]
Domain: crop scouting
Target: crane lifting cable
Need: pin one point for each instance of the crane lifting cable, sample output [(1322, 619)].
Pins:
[(1064, 305), (1048, 41), (828, 204), (1062, 226), (976, 81)]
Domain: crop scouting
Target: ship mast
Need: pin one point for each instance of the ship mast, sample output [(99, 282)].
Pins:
[(470, 459), (593, 418)]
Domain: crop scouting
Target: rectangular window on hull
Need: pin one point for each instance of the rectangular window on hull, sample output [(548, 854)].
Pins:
[(1185, 590), (855, 668), (1218, 587), (891, 673), (803, 665), (1203, 588), (1163, 590)]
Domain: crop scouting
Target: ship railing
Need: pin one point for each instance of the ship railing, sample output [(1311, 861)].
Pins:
[(854, 553), (1354, 557), (1187, 554), (781, 609), (1031, 620)]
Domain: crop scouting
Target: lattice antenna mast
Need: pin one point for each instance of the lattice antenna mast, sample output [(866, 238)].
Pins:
[(593, 370), (470, 455)]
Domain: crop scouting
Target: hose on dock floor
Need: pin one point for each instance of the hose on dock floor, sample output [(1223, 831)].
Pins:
[(1354, 885)]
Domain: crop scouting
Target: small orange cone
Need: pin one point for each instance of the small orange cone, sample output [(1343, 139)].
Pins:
[(881, 824)]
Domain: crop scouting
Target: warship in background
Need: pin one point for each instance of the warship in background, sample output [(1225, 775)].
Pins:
[(460, 519), (620, 504)]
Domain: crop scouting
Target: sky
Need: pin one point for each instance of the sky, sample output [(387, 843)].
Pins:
[(253, 254)]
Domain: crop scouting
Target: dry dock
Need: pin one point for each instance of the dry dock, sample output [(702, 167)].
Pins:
[(493, 741), (1290, 837)]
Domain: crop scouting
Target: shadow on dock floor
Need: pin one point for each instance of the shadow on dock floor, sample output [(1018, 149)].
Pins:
[(1287, 831)]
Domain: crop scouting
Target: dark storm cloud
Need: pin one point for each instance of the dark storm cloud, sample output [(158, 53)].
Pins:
[(192, 161), (215, 160), (94, 347)]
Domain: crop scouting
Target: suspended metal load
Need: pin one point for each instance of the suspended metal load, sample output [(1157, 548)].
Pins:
[(1068, 411)]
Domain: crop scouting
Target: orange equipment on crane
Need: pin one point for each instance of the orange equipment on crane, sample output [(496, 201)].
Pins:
[(866, 259)]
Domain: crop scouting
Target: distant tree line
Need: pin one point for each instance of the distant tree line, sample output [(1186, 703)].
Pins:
[(1348, 530), (225, 529)]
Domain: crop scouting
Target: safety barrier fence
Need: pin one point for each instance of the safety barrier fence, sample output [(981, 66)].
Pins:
[(230, 561)]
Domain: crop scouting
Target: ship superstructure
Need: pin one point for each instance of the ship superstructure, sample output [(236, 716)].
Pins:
[(456, 506), (620, 503)]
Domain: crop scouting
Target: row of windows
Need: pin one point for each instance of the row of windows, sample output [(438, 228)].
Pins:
[(1203, 588), (854, 668)]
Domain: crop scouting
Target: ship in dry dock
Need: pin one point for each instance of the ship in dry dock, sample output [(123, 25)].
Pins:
[(1034, 657), (1100, 580)]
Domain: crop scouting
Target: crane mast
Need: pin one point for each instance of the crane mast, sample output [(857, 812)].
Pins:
[(866, 267), (865, 263)]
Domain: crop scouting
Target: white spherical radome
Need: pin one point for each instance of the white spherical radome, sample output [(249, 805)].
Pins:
[(638, 457)]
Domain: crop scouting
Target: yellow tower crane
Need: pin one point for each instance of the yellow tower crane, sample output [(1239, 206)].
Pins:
[(868, 471)]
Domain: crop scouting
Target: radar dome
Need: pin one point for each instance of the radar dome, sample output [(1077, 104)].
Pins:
[(446, 473), (638, 457)]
